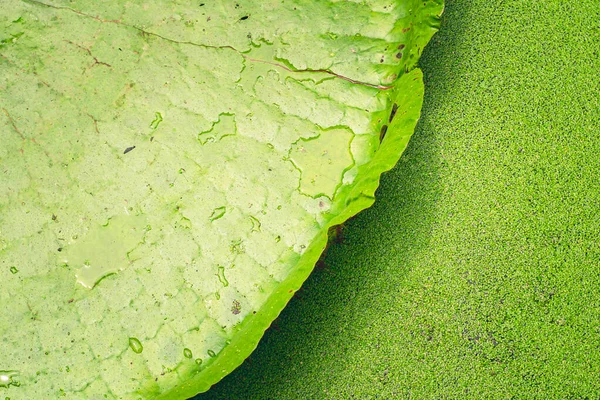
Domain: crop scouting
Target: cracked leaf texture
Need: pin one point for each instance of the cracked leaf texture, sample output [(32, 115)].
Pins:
[(169, 172)]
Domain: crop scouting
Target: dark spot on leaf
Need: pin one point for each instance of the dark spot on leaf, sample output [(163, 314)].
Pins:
[(382, 133), (59, 249), (236, 308), (336, 234), (127, 150), (393, 113), (398, 55), (401, 47), (245, 17)]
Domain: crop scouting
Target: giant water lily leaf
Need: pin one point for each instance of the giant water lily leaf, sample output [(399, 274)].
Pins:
[(169, 172)]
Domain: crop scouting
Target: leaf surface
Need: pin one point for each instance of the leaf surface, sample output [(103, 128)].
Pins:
[(169, 173)]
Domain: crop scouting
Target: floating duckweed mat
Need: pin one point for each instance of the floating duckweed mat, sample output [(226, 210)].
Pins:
[(169, 173)]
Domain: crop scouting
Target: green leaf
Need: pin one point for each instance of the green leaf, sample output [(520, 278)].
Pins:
[(169, 175)]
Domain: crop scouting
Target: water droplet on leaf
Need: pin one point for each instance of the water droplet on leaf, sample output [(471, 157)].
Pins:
[(103, 251), (217, 213), (157, 120), (255, 224), (136, 345), (221, 275), (7, 378)]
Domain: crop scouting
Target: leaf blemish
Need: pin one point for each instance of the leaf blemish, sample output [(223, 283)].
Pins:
[(127, 150), (382, 133), (393, 113), (236, 307)]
